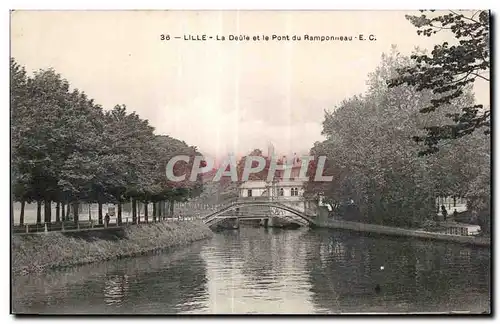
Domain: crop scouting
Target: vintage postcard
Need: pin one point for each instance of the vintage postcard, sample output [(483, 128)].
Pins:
[(250, 162)]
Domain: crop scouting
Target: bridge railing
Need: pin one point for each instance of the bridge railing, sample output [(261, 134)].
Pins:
[(84, 225), (272, 200), (260, 198)]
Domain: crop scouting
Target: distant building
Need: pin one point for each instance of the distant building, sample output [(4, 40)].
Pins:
[(289, 191), (291, 188)]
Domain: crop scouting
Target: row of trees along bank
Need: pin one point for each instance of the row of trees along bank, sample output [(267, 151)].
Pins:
[(375, 161), (66, 149), (418, 132)]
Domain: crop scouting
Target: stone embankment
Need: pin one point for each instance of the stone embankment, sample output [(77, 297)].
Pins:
[(402, 232)]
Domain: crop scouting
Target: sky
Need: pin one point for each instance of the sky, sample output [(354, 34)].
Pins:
[(221, 96)]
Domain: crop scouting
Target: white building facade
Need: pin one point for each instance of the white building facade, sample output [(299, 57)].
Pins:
[(289, 191)]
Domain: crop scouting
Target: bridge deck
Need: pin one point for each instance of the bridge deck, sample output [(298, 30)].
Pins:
[(273, 202)]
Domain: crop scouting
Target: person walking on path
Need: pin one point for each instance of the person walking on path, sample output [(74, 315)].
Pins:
[(106, 220), (444, 212)]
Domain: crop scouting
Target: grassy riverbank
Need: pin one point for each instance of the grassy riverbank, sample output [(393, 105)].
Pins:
[(38, 252), (402, 232)]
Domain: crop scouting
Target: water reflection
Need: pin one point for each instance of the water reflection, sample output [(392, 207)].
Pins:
[(417, 276), (169, 282), (115, 289), (256, 270), (263, 274)]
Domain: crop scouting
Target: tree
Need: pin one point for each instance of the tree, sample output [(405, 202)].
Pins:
[(81, 171), (449, 71), (163, 189), (20, 180), (40, 133), (66, 149), (375, 161), (261, 175)]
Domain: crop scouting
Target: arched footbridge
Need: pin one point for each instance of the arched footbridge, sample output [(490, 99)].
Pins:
[(221, 214)]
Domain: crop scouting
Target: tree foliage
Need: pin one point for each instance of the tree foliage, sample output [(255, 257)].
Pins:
[(374, 160), (66, 148), (261, 175), (449, 71)]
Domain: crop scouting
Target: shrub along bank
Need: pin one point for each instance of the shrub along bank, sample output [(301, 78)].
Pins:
[(37, 252)]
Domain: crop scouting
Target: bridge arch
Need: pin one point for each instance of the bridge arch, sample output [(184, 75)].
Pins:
[(216, 216)]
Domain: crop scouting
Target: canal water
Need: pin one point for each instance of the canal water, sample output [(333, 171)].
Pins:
[(271, 271)]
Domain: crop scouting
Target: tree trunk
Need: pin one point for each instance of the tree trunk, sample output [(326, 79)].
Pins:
[(119, 214), (99, 212), (58, 212), (134, 211), (76, 207), (146, 211), (38, 212), (68, 211), (47, 211), (63, 211), (171, 203), (21, 215), (90, 214), (154, 211), (138, 207), (12, 219)]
